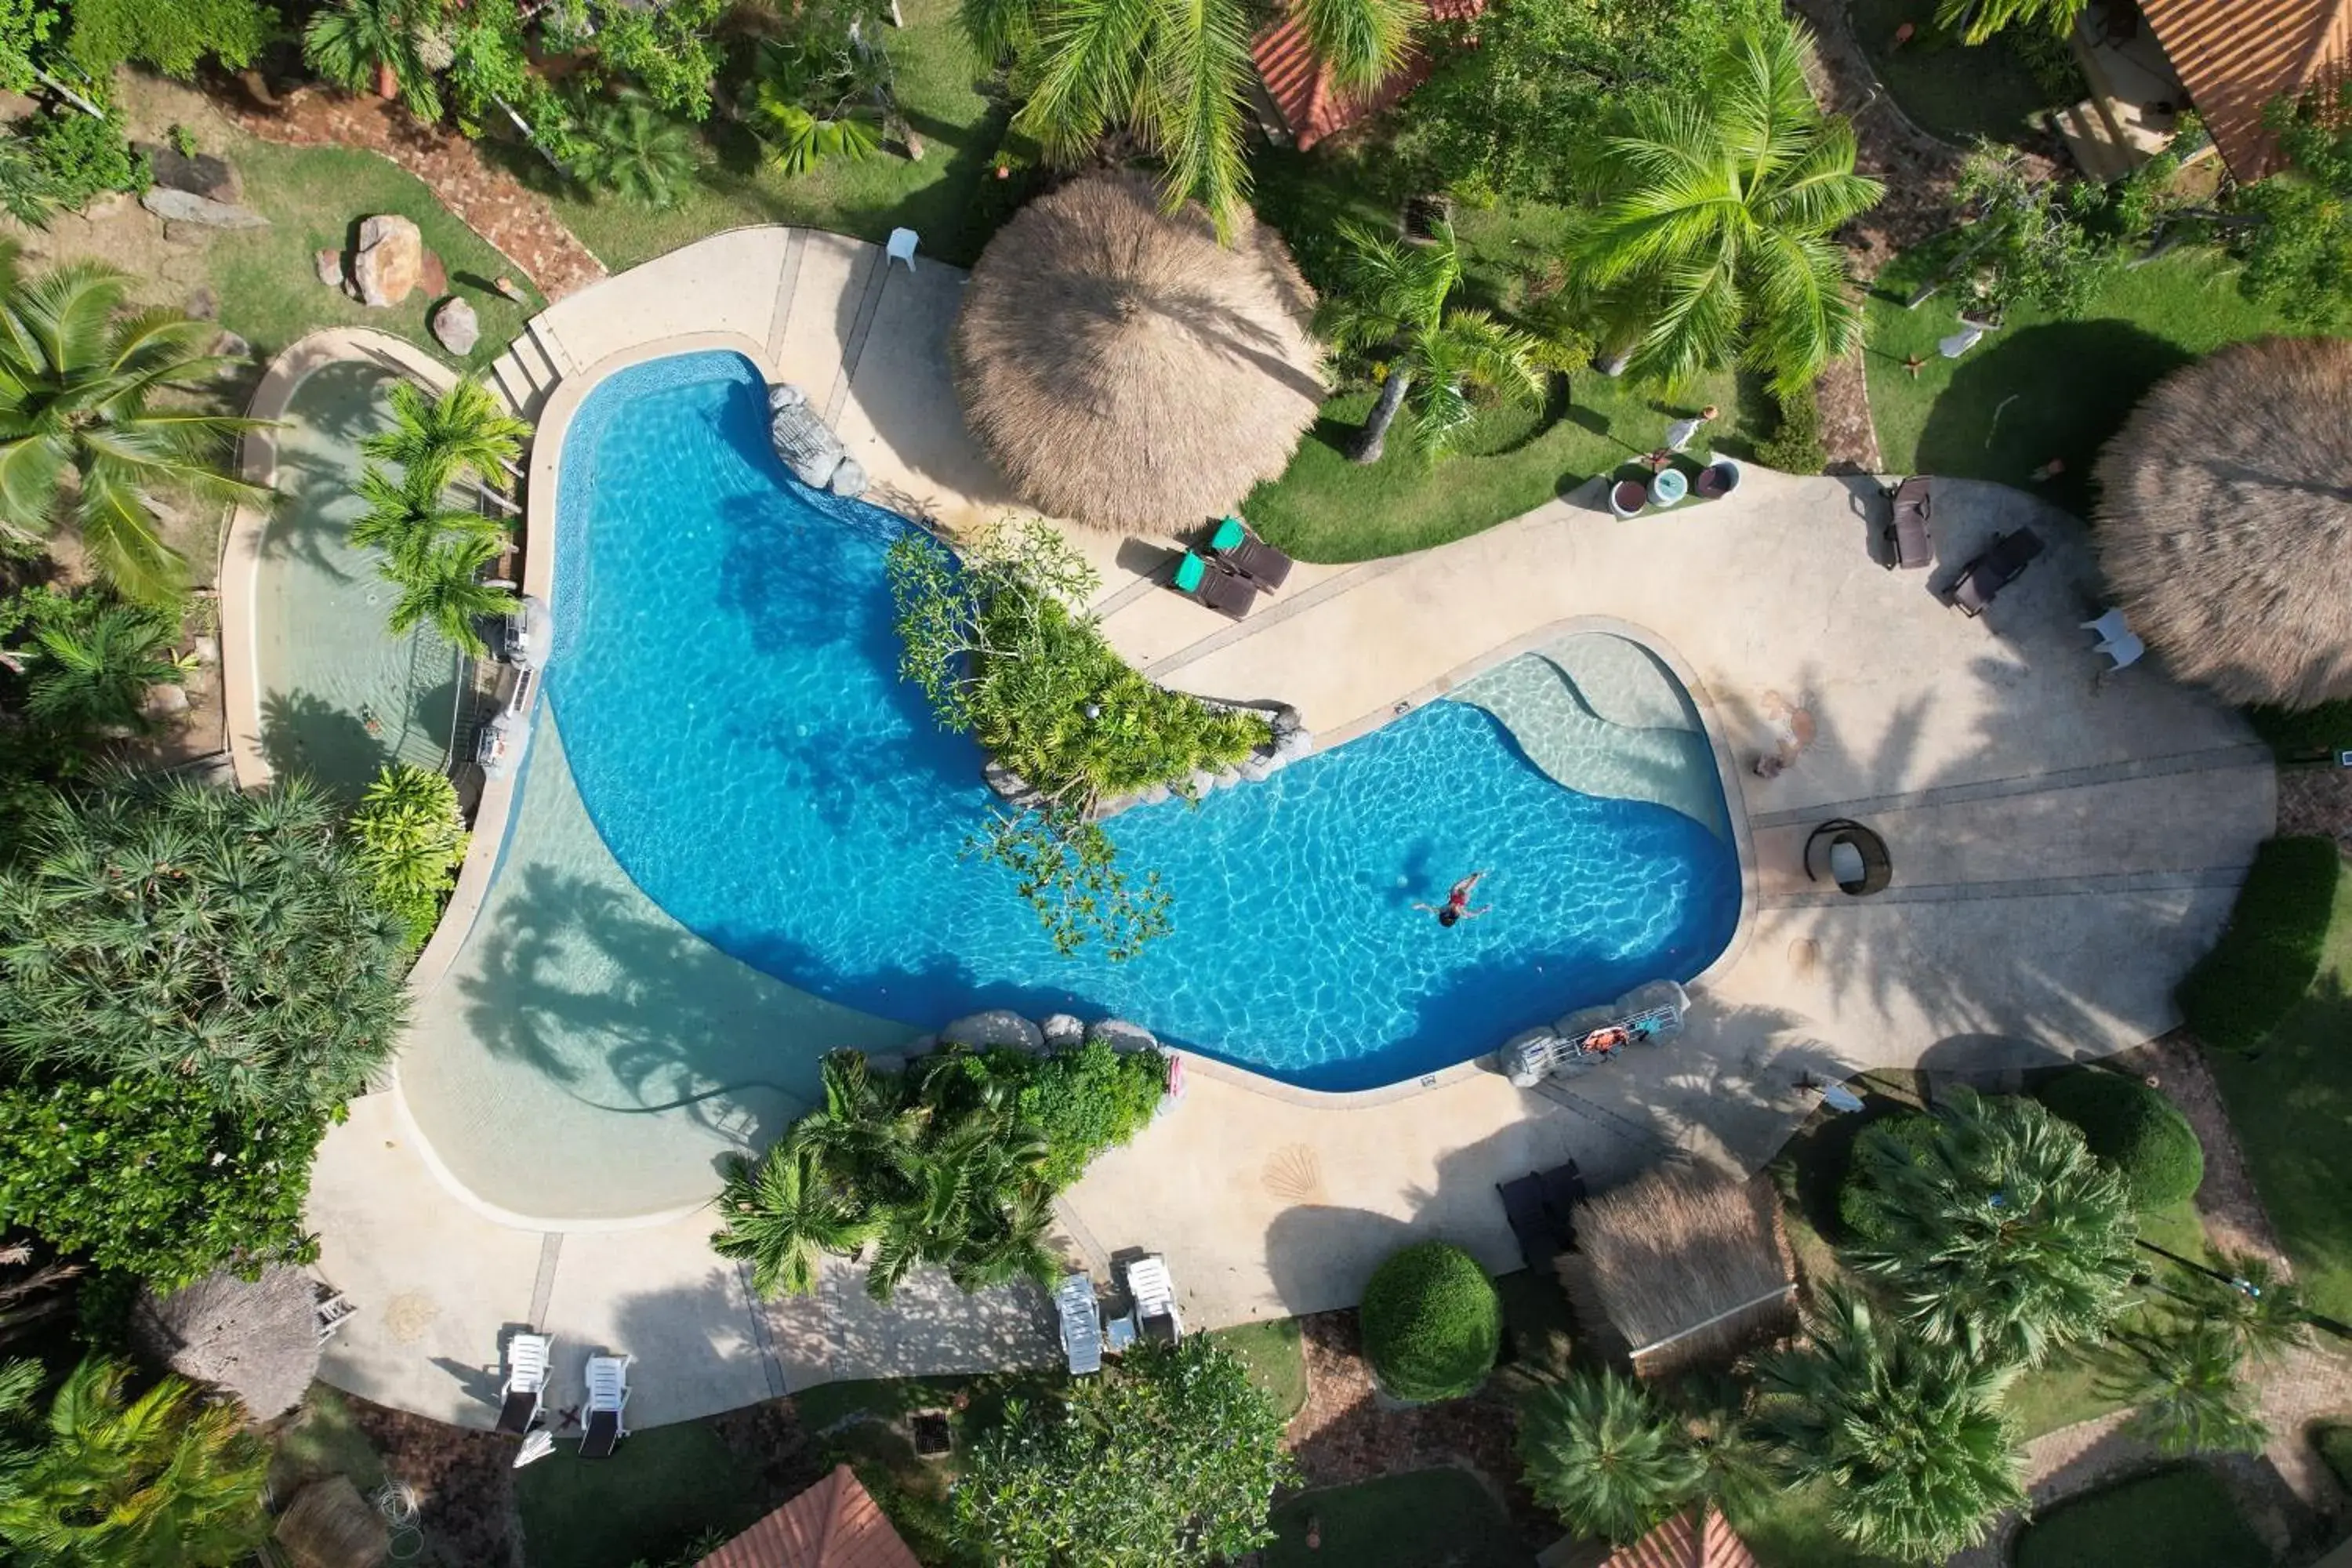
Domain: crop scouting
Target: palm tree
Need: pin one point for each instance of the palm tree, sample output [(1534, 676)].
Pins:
[(1600, 1453), (1976, 20), (2004, 1237), (635, 152), (365, 45), (408, 517), (1708, 237), (782, 1214), (1391, 299), (411, 839), (2184, 1390), (1907, 1439), (463, 430), (77, 375), (820, 94), (160, 1479), (1176, 76), (446, 593), (92, 670), (2251, 1302)]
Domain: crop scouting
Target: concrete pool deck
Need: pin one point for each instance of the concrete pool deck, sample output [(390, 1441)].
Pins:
[(2065, 846)]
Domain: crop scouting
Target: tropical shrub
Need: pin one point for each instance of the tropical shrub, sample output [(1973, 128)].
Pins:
[(2294, 733), (1168, 1459), (1906, 1439), (1860, 1192), (173, 35), (155, 1177), (1976, 20), (111, 1481), (27, 192), (1084, 1102), (89, 661), (359, 44), (2335, 1445), (1600, 1452), (2270, 953), (411, 843), (631, 150), (220, 940), (2134, 1129), (1433, 1323), (1795, 445), (84, 156), (2001, 1237), (824, 89), (2296, 243)]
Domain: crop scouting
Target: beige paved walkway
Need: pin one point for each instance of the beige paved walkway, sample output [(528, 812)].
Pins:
[(2064, 846)]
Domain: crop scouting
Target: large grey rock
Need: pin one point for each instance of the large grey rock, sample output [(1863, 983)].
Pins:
[(810, 450), (202, 174), (848, 478), (1122, 1036), (456, 326), (390, 261), (1260, 767), (186, 206), (784, 394), (1062, 1031), (165, 701), (997, 1027)]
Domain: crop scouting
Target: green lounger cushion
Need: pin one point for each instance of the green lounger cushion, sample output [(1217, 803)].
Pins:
[(1188, 574), (1229, 535)]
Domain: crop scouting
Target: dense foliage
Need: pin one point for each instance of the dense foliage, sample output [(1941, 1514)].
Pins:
[(2134, 1129), (411, 841), (76, 158), (1601, 1453), (109, 1480), (1170, 1458), (824, 88), (2298, 249), (1995, 1233), (1795, 447), (2269, 955), (87, 660), (173, 35), (1433, 1323), (954, 1162)]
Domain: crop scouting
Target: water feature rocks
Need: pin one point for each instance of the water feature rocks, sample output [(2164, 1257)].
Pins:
[(1063, 1031), (810, 450), (390, 261), (848, 478), (187, 207), (1123, 1037), (456, 326), (1524, 1056), (997, 1027)]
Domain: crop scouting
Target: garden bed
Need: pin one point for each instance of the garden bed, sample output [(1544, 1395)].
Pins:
[(1949, 89)]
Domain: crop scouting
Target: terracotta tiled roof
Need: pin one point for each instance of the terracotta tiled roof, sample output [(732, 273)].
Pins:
[(2235, 55), (1697, 1539), (1302, 90), (834, 1524)]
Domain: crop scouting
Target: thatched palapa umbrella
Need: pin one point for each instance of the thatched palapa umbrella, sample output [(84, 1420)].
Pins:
[(2225, 520), (258, 1339), (1125, 370), (1685, 1265)]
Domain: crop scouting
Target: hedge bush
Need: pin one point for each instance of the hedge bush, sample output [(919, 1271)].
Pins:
[(2133, 1128), (2267, 959), (1913, 1132), (2299, 732), (1433, 1323)]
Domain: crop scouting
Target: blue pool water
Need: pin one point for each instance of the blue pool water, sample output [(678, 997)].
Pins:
[(724, 680)]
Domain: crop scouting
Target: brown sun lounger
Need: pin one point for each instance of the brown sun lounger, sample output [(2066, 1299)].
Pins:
[(1995, 568), (1910, 543), (1234, 544), (1199, 579)]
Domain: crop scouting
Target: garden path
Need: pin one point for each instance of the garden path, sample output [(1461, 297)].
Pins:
[(493, 203)]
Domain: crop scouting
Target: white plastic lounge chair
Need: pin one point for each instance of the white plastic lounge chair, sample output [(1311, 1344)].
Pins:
[(901, 249), (2123, 649), (608, 1396), (2110, 626), (526, 1384), (1081, 1315), (1155, 1297)]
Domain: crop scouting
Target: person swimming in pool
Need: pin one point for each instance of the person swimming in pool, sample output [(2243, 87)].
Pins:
[(1456, 908)]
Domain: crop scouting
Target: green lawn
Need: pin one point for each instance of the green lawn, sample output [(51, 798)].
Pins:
[(2039, 388), (1415, 1520), (939, 82), (1954, 91), (663, 1488), (2179, 1517), (1277, 1364), (2291, 1101)]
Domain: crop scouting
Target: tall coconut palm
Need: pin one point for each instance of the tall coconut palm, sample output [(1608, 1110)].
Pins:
[(91, 671), (2184, 1391), (363, 46), (461, 431), (1708, 235), (2004, 1237), (79, 375), (781, 1215), (446, 593), (1176, 76), (1976, 20), (1916, 1458), (146, 1482), (1599, 1452), (1391, 300), (632, 150)]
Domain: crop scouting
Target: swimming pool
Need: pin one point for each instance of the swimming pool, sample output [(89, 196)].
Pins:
[(725, 682)]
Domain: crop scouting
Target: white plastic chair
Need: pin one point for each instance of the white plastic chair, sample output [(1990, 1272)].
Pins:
[(519, 1399), (2123, 649), (2109, 625), (608, 1398), (900, 248)]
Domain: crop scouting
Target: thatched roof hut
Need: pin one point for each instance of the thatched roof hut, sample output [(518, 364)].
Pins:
[(258, 1339), (2225, 520), (1685, 1265), (330, 1525), (1123, 369)]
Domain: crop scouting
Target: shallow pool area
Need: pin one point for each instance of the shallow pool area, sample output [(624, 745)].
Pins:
[(725, 687)]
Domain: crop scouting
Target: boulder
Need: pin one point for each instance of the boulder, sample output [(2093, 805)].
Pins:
[(455, 326), (1062, 1031), (810, 450), (99, 208), (229, 345), (1526, 1057), (1123, 1037), (784, 394), (390, 261), (1156, 795), (205, 649), (204, 305), (848, 478), (434, 278), (202, 175), (997, 1027), (164, 701), (1260, 767), (187, 207)]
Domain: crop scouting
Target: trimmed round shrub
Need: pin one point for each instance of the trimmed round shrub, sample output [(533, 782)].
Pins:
[(1909, 1134), (1432, 1324), (2134, 1129)]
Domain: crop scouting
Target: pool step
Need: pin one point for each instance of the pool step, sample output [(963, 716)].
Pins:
[(528, 371)]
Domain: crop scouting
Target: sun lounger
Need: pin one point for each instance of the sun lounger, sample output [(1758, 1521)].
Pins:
[(1081, 1316), (1995, 568), (608, 1398), (526, 1383), (1563, 1188), (1910, 543), (1246, 553), (1155, 1298), (1198, 578), (1523, 1207)]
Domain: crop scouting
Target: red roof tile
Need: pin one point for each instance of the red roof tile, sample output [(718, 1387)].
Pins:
[(1700, 1538), (1301, 88), (2235, 55), (834, 1524)]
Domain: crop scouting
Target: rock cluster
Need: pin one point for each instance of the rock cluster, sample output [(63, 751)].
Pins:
[(1000, 1028), (814, 453), (1291, 741), (390, 261)]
